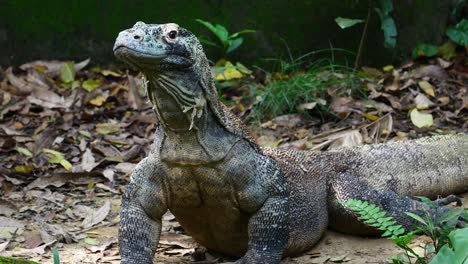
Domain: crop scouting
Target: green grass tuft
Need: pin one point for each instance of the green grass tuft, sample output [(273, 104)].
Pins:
[(285, 96)]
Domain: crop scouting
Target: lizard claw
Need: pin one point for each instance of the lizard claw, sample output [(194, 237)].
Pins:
[(448, 200)]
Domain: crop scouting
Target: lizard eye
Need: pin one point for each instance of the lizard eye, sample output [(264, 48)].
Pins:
[(172, 34)]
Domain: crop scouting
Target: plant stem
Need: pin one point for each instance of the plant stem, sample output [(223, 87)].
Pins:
[(364, 35)]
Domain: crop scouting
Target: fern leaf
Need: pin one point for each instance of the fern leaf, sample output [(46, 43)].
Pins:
[(373, 216)]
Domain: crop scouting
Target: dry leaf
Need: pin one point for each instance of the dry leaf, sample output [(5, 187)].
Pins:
[(421, 120), (9, 226), (427, 88), (4, 245), (306, 106), (52, 67), (107, 128), (49, 99), (87, 161), (60, 179), (97, 216), (422, 102), (432, 71), (98, 100)]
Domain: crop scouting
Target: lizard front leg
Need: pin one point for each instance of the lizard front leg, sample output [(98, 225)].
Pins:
[(268, 232), (264, 195), (140, 217)]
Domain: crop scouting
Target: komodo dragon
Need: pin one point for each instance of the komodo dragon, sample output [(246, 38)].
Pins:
[(237, 198)]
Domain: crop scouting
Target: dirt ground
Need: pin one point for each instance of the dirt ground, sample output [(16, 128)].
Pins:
[(334, 247)]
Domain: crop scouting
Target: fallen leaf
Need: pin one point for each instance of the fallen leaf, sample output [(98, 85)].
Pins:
[(67, 72), (110, 73), (388, 68), (58, 157), (290, 121), (4, 245), (101, 248), (23, 86), (444, 100), (24, 168), (91, 241), (49, 99), (60, 179), (24, 151), (268, 141), (173, 239), (125, 167), (448, 51), (97, 216), (421, 120), (241, 67), (422, 102), (109, 174), (427, 88), (7, 208), (98, 100), (91, 84), (371, 117), (306, 106), (9, 226), (87, 161), (52, 67), (85, 133), (134, 100), (431, 71), (107, 128), (230, 72), (27, 253)]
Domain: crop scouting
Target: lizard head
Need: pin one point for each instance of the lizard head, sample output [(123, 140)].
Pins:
[(157, 47), (172, 58)]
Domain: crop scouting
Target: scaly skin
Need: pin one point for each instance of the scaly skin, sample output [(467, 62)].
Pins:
[(234, 197)]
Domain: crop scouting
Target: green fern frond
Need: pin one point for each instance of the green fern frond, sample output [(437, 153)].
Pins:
[(373, 216)]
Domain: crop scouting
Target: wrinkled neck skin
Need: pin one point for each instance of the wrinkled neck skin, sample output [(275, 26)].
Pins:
[(176, 95), (191, 134)]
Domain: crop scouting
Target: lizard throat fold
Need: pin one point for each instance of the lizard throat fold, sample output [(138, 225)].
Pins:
[(189, 103)]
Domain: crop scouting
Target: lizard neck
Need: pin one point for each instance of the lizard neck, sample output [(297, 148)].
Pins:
[(178, 100), (187, 121)]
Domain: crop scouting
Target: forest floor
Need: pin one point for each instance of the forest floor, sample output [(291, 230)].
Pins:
[(71, 134)]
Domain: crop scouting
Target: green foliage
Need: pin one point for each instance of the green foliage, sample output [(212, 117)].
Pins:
[(459, 33), (449, 244), (387, 24), (67, 72), (456, 251), (302, 92), (347, 22), (371, 215), (457, 8), (436, 225), (424, 50), (6, 260), (56, 256), (448, 50), (226, 42)]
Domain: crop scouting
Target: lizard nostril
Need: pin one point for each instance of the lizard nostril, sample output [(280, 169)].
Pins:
[(137, 37)]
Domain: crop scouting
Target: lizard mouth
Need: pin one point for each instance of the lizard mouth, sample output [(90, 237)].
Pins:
[(144, 59)]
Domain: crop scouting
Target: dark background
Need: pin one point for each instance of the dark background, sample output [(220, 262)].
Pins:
[(57, 29)]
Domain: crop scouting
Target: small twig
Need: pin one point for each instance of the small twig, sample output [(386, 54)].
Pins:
[(364, 35)]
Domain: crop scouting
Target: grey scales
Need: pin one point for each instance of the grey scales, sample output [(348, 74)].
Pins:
[(235, 197)]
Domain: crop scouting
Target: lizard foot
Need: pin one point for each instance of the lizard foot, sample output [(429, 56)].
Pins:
[(440, 208), (448, 200)]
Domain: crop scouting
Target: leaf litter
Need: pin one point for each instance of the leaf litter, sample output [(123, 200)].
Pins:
[(70, 137)]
